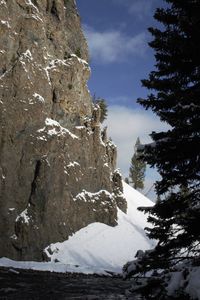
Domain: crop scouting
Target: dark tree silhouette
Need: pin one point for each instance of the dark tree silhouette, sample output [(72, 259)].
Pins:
[(175, 97)]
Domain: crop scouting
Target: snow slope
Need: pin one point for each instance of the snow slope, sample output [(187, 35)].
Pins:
[(104, 247), (98, 247)]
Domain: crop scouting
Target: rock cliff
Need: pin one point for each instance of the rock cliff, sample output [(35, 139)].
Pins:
[(57, 168)]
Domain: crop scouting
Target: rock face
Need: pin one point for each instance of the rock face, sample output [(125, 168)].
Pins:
[(57, 168)]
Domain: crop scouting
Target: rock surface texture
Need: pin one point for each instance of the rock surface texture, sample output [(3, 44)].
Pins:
[(57, 168)]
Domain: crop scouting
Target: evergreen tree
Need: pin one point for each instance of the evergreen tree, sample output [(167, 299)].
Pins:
[(175, 98), (126, 180), (137, 169), (103, 107)]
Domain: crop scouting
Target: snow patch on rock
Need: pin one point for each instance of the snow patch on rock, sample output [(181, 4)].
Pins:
[(38, 97), (53, 128), (23, 217)]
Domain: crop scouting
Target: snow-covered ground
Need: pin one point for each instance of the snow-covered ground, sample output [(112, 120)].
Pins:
[(98, 248)]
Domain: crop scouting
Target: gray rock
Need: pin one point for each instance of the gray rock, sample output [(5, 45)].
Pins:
[(57, 175)]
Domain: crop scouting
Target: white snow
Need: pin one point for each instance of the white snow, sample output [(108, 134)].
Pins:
[(189, 283), (48, 266), (6, 23), (175, 282), (51, 122), (101, 246), (3, 2), (14, 237), (85, 196), (193, 287), (3, 75), (53, 128), (52, 65), (42, 138), (38, 97), (98, 247), (36, 17), (82, 61), (11, 209), (27, 54), (73, 164), (23, 59), (29, 2), (24, 216), (80, 127)]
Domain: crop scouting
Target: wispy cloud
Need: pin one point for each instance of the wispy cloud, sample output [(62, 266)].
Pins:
[(139, 8), (122, 100), (114, 45), (124, 126)]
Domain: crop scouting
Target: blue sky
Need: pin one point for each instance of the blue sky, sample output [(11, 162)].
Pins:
[(117, 31), (117, 35)]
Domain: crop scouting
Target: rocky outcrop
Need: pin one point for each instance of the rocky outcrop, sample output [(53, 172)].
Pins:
[(57, 167)]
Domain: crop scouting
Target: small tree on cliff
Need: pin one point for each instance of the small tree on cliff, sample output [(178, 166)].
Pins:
[(127, 180), (137, 169), (103, 107)]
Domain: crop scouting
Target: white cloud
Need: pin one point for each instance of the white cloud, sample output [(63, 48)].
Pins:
[(114, 46), (123, 100), (124, 126), (139, 8)]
